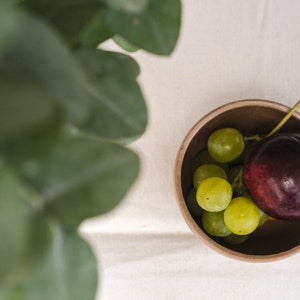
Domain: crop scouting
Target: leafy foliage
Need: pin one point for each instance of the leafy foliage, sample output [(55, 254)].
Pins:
[(159, 23), (69, 272), (134, 6), (13, 234), (67, 110)]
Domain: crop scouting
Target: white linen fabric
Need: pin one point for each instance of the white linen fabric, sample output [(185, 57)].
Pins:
[(228, 50)]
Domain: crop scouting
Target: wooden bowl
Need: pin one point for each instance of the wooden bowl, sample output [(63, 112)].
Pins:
[(275, 239)]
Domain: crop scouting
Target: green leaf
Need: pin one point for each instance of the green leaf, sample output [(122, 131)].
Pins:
[(95, 31), (124, 44), (119, 109), (9, 3), (42, 6), (133, 6), (78, 21), (35, 251), (102, 63), (118, 106), (14, 292), (71, 19), (9, 26), (156, 29), (24, 231), (37, 248), (69, 272), (78, 177), (44, 55), (26, 107), (14, 220)]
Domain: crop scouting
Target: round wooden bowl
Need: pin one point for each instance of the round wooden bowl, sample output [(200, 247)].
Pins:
[(275, 239)]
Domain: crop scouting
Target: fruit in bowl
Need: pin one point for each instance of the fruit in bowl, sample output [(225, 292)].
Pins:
[(226, 203), (272, 175), (218, 168)]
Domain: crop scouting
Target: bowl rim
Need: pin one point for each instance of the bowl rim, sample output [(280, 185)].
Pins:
[(200, 234)]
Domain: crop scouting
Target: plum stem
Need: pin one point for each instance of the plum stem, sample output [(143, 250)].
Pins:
[(285, 119)]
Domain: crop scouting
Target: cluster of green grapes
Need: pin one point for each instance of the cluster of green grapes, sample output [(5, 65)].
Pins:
[(218, 197)]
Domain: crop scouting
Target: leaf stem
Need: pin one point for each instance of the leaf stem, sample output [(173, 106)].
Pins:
[(285, 119)]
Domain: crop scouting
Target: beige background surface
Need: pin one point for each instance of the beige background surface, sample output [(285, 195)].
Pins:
[(228, 50)]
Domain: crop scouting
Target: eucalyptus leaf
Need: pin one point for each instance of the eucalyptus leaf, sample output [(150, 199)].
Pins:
[(156, 29), (14, 220), (71, 19), (109, 63), (117, 100), (20, 93), (42, 6), (133, 6), (92, 187), (78, 177), (95, 31), (38, 243), (52, 180), (9, 26), (48, 7), (9, 3), (124, 44), (69, 272), (119, 110), (38, 50), (15, 292), (78, 21)]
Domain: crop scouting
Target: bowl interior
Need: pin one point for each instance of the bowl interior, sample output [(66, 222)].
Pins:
[(273, 240)]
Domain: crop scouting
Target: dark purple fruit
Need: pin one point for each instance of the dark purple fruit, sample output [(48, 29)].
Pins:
[(272, 175)]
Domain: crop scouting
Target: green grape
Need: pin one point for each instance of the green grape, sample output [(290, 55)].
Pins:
[(242, 216), (225, 144), (206, 171), (240, 159), (213, 223), (192, 204), (204, 158), (235, 239), (214, 194)]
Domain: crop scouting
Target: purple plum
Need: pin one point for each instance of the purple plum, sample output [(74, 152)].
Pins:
[(271, 174)]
